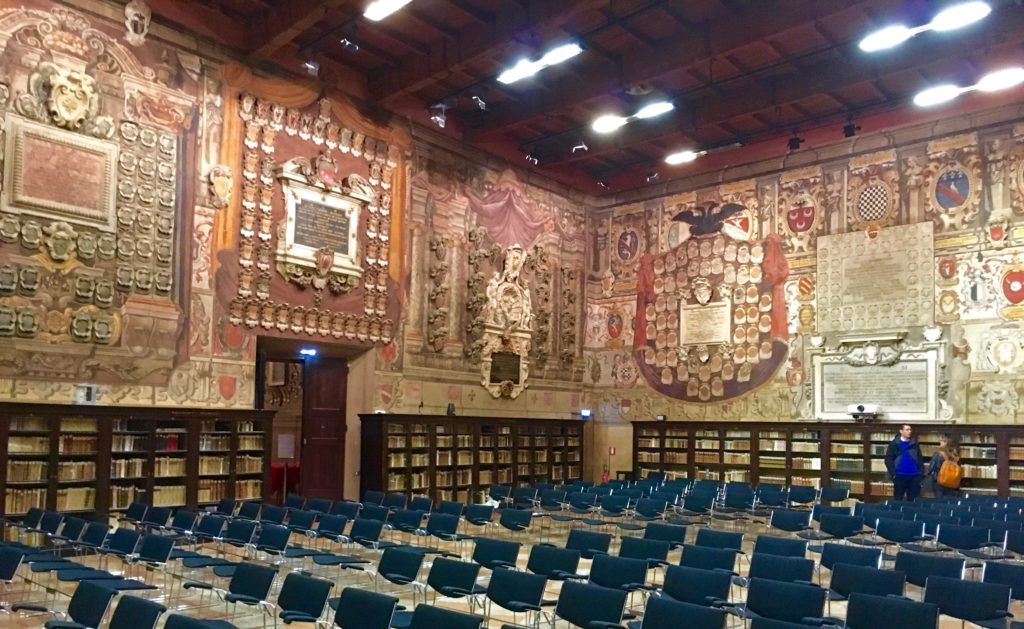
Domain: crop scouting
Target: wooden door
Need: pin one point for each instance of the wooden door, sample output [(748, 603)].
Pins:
[(323, 428)]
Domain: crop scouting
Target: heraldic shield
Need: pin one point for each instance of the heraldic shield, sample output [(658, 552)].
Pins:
[(711, 319)]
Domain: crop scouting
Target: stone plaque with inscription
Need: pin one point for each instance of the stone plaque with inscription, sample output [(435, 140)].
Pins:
[(318, 225), (871, 284), (705, 324), (59, 175), (505, 367), (904, 390)]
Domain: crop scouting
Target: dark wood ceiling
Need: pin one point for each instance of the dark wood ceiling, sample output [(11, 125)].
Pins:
[(739, 71)]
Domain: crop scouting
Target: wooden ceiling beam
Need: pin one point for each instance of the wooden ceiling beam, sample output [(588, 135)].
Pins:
[(203, 21), (1005, 34), (723, 36), (283, 25), (476, 41)]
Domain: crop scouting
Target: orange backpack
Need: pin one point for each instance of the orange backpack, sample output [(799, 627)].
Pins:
[(950, 473)]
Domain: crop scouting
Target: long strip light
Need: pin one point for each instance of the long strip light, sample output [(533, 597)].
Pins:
[(991, 82), (525, 68), (610, 122), (380, 9), (683, 157), (949, 19)]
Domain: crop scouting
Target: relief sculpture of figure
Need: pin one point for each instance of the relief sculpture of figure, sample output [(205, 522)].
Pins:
[(508, 297)]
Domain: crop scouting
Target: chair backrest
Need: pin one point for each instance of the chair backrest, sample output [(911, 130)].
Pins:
[(664, 613), (782, 546), (304, 594), (498, 492), (651, 507), (523, 495), (319, 505), (183, 520), (450, 507), (10, 561), (553, 562), (50, 522), (133, 612), (73, 528), (273, 514), (919, 566), (708, 557), (694, 585), (479, 514), (156, 548), (366, 529), (581, 604), (492, 553), (849, 578), (332, 525), (790, 519), (241, 531), (95, 534), (866, 611), (226, 506), (362, 609), (406, 519), (180, 621), (614, 504), (273, 537), (135, 511), (719, 539), (399, 562), (157, 516), (301, 520), (450, 576), (430, 617), (833, 494), (841, 526), (421, 503), (250, 510), (819, 510), (508, 586), (790, 569), (552, 498), (617, 572), (650, 550), (899, 531), (802, 494), (515, 519), (210, 526), (375, 512), (1011, 574), (674, 534), (832, 554), (253, 580), (442, 524), (785, 601), (581, 500), (373, 497), (89, 603), (348, 509), (294, 501), (699, 502), (973, 601), (962, 537), (123, 541), (588, 543), (395, 501)]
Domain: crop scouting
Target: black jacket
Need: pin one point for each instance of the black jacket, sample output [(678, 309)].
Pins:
[(893, 452)]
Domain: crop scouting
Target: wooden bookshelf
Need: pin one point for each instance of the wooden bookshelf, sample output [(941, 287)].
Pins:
[(458, 458), (819, 454), (97, 459)]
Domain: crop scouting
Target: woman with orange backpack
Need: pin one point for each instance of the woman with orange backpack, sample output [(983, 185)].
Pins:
[(944, 469)]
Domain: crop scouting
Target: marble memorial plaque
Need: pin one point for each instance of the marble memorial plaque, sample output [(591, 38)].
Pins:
[(882, 283), (706, 324), (505, 367), (318, 225), (897, 389)]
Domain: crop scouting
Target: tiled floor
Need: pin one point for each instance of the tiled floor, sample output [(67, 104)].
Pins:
[(188, 601)]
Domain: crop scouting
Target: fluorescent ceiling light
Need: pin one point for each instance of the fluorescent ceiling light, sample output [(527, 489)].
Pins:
[(959, 15), (655, 109), (949, 19), (525, 68), (1001, 80), (608, 123), (380, 9), (937, 95), (682, 157)]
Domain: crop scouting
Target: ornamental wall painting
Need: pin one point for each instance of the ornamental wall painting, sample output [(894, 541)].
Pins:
[(801, 210), (627, 242), (943, 182)]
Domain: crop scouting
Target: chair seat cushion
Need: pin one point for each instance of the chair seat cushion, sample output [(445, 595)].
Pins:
[(241, 598), (63, 624)]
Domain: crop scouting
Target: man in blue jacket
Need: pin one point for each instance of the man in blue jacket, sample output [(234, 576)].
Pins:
[(903, 460)]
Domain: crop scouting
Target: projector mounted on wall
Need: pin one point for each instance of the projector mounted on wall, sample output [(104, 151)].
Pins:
[(863, 412)]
